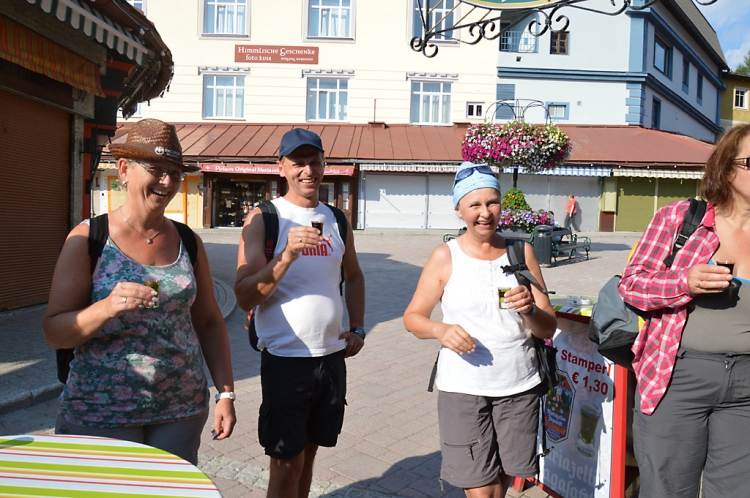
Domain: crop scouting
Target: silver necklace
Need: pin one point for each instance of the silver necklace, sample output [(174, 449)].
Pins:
[(149, 240)]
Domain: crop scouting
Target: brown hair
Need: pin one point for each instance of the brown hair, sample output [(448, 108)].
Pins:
[(720, 167)]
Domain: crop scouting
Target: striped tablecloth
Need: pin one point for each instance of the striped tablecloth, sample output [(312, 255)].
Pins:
[(81, 466)]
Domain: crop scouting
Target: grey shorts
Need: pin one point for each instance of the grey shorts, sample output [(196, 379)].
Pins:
[(181, 438), (481, 437), (700, 428)]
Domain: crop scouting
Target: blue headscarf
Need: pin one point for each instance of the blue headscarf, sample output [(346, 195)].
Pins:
[(475, 180)]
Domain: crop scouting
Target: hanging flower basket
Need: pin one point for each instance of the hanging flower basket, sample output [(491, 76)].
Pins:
[(534, 147)]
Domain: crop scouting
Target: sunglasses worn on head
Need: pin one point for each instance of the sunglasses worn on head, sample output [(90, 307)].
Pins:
[(466, 173), (744, 162), (161, 173)]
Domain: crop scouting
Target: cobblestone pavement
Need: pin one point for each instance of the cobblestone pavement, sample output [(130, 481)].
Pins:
[(389, 443)]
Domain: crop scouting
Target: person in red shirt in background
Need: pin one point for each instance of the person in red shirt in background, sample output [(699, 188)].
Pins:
[(570, 213)]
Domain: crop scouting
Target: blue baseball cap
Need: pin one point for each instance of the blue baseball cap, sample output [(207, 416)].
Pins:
[(296, 138)]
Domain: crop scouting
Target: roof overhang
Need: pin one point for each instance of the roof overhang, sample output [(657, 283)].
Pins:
[(96, 25), (695, 174)]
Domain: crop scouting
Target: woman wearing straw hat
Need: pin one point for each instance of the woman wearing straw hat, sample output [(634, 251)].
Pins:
[(487, 376), (138, 370)]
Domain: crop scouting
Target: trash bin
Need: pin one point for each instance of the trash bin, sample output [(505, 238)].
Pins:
[(543, 244)]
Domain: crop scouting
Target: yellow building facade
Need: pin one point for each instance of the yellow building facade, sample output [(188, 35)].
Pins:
[(735, 100)]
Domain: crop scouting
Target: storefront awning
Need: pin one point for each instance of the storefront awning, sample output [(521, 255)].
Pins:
[(266, 169), (658, 173), (36, 53), (95, 25), (568, 171), (413, 168)]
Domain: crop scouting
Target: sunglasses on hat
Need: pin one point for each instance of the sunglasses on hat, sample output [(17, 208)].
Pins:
[(466, 173)]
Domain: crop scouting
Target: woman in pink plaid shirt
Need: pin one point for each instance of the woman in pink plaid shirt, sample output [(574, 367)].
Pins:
[(692, 358)]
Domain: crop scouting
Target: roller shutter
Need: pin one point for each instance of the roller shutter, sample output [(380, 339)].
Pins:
[(34, 197)]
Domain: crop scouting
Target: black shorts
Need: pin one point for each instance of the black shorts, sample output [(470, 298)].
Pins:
[(303, 402)]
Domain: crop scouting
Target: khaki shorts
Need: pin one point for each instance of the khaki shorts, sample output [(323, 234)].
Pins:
[(482, 436)]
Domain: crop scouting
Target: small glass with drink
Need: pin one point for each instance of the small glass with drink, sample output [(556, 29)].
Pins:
[(501, 297), (318, 222), (153, 284)]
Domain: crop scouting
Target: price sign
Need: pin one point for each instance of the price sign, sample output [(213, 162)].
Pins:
[(578, 417)]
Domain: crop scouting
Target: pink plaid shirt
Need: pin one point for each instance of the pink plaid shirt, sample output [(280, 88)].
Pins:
[(649, 285)]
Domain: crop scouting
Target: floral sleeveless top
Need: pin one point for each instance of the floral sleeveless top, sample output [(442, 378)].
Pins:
[(145, 366)]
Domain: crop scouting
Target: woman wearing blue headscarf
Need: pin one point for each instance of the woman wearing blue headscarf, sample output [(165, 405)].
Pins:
[(487, 377)]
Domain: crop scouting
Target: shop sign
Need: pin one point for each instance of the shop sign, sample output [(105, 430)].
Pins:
[(579, 417), (276, 54), (267, 169), (513, 4)]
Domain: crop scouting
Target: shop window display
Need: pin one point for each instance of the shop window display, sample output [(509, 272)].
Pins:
[(235, 200)]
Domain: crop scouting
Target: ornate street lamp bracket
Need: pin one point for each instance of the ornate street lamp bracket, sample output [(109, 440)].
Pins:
[(487, 14)]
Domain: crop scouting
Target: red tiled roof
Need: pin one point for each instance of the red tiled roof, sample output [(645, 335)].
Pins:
[(592, 144)]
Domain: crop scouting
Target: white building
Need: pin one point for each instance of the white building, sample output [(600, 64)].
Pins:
[(314, 63)]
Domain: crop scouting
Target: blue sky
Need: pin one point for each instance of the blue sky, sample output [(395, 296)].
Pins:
[(731, 20)]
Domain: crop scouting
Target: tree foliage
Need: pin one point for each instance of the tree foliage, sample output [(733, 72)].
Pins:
[(744, 68)]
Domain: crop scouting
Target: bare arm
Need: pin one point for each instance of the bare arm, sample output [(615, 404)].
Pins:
[(429, 290), (212, 334), (543, 323), (71, 319), (354, 294), (257, 278)]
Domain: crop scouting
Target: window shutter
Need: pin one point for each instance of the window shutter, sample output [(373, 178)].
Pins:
[(505, 92)]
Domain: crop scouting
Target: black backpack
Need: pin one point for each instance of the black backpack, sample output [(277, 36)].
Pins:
[(614, 324), (98, 234), (271, 225)]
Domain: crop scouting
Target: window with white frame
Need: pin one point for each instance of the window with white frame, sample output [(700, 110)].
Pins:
[(558, 110), (138, 4), (438, 14), (430, 102), (330, 19), (740, 98), (136, 114), (474, 109), (517, 38), (225, 17), (223, 96), (327, 99)]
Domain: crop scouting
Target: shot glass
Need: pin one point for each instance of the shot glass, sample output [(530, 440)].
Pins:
[(726, 264), (318, 221), (501, 297), (153, 284)]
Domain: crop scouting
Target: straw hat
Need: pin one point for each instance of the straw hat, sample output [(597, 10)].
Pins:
[(153, 141)]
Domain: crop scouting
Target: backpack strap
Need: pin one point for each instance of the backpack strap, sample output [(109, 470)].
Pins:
[(98, 233), (693, 218), (341, 222), (516, 250), (188, 240), (271, 224)]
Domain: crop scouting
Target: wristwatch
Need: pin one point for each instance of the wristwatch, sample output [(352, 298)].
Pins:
[(360, 331), (229, 395)]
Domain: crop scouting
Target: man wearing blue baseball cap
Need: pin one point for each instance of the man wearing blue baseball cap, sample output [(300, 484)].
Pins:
[(298, 315)]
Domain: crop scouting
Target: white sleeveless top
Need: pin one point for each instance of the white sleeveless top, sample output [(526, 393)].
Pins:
[(504, 361), (302, 318)]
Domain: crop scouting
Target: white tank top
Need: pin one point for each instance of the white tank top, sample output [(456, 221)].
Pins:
[(504, 361), (302, 318)]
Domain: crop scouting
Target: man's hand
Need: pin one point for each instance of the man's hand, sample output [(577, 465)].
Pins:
[(354, 343), (299, 238)]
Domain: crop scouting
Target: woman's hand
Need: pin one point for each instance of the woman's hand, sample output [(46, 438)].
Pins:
[(224, 419), (128, 296), (708, 279), (455, 338), (519, 299)]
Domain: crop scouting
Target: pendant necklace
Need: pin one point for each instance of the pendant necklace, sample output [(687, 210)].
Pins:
[(149, 240)]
